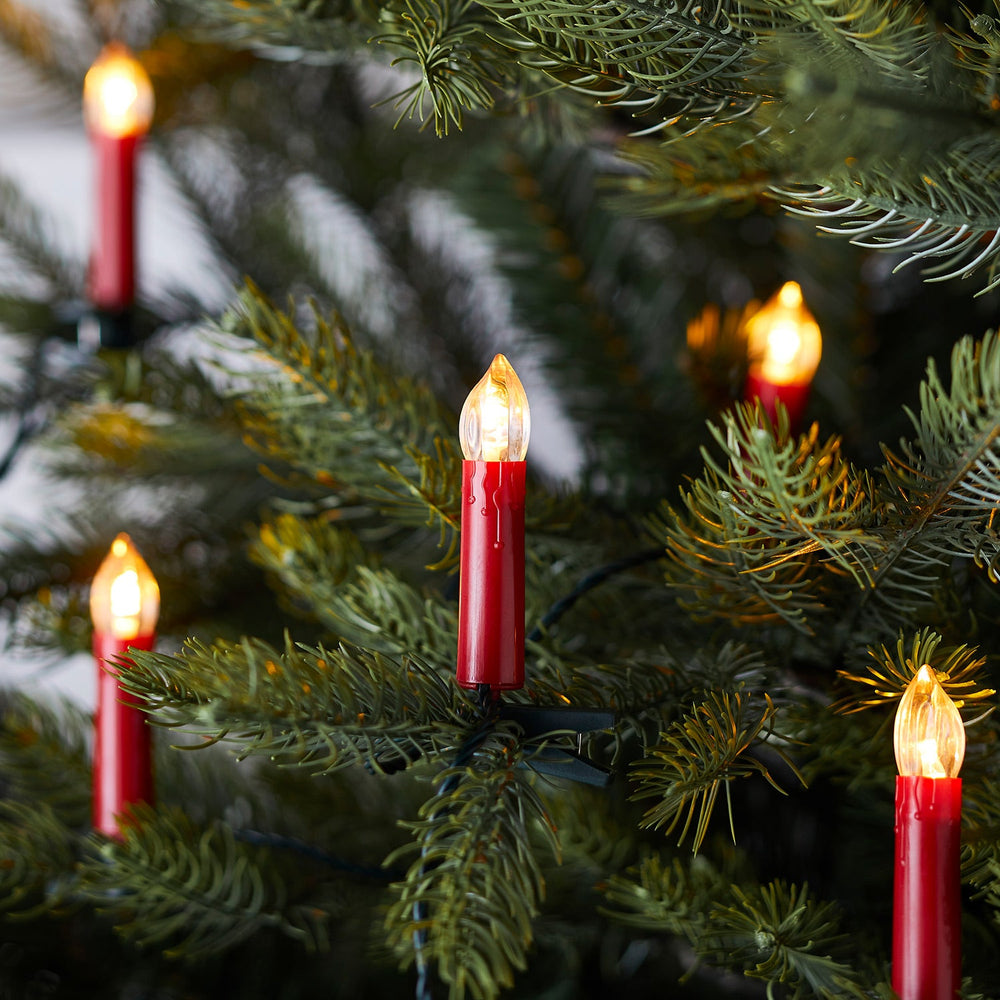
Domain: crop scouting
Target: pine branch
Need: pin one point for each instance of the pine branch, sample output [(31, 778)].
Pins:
[(28, 235), (450, 44), (942, 217), (959, 669), (646, 690), (981, 839), (328, 26), (336, 414), (700, 753), (775, 932), (40, 41), (666, 897), (473, 891), (37, 874), (314, 708), (194, 892), (778, 933), (663, 61), (852, 750), (44, 759), (948, 479), (325, 570), (431, 497), (129, 440), (760, 534)]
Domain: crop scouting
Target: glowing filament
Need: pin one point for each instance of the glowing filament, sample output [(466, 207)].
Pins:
[(124, 597), (117, 94), (495, 422), (929, 737), (783, 339)]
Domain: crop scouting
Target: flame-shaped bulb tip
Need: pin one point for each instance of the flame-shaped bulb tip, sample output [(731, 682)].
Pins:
[(783, 339), (928, 735), (117, 94), (496, 422), (124, 595)]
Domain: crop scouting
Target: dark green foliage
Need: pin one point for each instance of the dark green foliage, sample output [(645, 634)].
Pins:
[(777, 932), (38, 858), (787, 529), (44, 757), (797, 510), (193, 892), (323, 709), (338, 816), (701, 753), (470, 895)]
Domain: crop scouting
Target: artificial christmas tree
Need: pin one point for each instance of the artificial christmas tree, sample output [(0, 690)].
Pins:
[(692, 793)]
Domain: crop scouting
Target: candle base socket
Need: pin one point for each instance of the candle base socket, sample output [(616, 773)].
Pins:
[(101, 329)]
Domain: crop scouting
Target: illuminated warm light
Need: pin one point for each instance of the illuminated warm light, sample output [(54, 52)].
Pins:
[(117, 94), (495, 422), (124, 597), (929, 737), (783, 339)]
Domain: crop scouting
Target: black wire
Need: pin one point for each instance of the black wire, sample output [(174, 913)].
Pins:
[(589, 582), (315, 854), (28, 422)]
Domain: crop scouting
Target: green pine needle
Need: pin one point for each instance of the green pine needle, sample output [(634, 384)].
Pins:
[(38, 866), (331, 411), (314, 708), (44, 757), (469, 897), (699, 755), (780, 934), (193, 892), (959, 669)]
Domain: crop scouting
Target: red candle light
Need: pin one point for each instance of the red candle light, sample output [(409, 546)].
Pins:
[(124, 606), (493, 429), (118, 109), (930, 745), (784, 345)]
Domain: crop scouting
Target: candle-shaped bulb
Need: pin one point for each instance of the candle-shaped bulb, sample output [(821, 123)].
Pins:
[(124, 597), (117, 94), (495, 421), (928, 736), (783, 339)]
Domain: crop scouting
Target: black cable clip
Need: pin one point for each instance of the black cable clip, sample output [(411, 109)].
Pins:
[(560, 762)]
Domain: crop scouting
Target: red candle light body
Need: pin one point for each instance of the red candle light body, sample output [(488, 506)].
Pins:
[(111, 284), (926, 939), (794, 395), (491, 596), (123, 766)]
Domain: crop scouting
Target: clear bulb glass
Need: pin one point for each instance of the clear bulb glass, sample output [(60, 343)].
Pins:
[(117, 94), (495, 421), (928, 736), (783, 339), (124, 596)]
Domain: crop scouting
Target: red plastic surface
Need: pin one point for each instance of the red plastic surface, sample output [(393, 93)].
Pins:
[(491, 596), (123, 765), (926, 932), (795, 396), (111, 282)]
